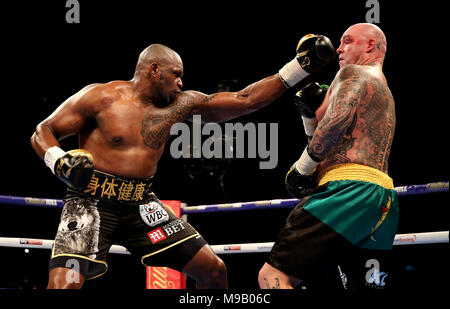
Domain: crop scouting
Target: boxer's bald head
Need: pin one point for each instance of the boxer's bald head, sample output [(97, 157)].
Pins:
[(361, 43), (371, 32), (157, 53)]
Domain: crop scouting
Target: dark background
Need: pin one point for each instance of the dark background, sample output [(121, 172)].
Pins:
[(45, 60)]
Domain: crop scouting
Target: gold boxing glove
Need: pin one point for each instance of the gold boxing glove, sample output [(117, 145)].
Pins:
[(74, 167)]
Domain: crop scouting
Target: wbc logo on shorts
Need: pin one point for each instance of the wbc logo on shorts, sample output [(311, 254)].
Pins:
[(153, 213)]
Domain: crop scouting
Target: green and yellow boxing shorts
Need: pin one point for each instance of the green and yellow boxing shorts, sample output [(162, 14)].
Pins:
[(355, 207), (360, 203)]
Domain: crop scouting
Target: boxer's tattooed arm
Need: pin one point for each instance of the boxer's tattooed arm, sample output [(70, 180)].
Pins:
[(156, 124), (206, 98), (340, 118)]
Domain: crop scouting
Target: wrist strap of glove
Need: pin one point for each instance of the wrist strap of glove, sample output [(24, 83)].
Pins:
[(306, 165), (310, 125), (292, 73), (52, 155)]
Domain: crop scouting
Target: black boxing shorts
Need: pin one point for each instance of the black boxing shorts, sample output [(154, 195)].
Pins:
[(115, 210)]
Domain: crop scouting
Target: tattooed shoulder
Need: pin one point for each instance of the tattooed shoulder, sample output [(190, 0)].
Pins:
[(349, 71), (157, 122)]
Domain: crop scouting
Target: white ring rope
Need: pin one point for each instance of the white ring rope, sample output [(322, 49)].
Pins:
[(399, 240)]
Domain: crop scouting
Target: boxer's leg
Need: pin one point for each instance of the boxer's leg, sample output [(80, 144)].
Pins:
[(64, 278), (207, 269), (174, 243), (270, 277), (195, 258)]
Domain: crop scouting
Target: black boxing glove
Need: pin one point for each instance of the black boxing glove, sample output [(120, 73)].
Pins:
[(307, 101), (313, 52), (300, 180), (74, 167)]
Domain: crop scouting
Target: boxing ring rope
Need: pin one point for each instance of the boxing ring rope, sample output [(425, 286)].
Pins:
[(433, 187), (399, 240)]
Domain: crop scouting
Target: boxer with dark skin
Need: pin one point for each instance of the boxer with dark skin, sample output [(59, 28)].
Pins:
[(125, 126), (356, 124)]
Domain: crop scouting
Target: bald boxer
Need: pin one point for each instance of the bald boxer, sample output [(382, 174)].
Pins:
[(122, 127), (348, 204)]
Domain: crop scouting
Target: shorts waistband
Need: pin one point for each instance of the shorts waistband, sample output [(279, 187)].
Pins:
[(117, 189), (358, 172)]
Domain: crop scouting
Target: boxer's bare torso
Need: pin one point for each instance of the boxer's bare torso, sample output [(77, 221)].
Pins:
[(369, 118), (126, 134)]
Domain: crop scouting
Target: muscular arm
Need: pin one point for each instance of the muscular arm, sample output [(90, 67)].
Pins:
[(347, 93), (223, 106), (66, 120)]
